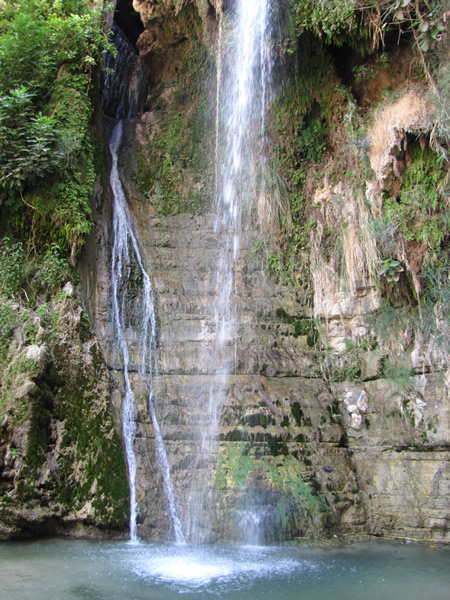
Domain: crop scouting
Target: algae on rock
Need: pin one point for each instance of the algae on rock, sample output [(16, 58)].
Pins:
[(63, 469)]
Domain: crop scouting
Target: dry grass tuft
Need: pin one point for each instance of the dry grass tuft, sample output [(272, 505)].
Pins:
[(272, 201), (410, 113)]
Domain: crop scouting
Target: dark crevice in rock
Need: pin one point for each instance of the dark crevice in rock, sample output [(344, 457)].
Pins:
[(128, 20), (421, 449)]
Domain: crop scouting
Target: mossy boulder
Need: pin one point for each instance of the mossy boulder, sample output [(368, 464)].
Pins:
[(62, 467)]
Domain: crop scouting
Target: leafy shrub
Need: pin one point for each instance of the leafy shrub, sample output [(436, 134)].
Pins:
[(390, 268), (332, 19), (31, 277), (27, 141), (420, 213), (364, 24), (11, 267), (312, 141), (47, 167), (53, 268), (8, 320)]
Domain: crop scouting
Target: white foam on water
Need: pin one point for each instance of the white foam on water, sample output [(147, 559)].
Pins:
[(192, 567), (188, 570)]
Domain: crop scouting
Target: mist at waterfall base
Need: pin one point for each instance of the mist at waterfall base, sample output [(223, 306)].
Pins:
[(92, 570)]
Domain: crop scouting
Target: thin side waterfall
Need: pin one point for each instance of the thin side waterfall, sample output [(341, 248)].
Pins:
[(124, 88), (125, 259), (242, 80)]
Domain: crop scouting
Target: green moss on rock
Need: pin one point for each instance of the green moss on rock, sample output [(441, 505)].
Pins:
[(293, 502), (62, 458), (173, 169)]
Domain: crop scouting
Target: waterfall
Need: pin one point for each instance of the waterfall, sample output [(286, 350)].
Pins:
[(119, 262), (126, 261), (123, 96), (124, 88), (243, 73)]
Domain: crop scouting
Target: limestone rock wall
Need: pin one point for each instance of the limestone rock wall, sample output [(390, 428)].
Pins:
[(61, 460), (281, 446), (314, 435)]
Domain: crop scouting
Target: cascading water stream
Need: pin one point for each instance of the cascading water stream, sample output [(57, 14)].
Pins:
[(242, 79), (125, 257), (123, 97), (120, 259), (124, 88)]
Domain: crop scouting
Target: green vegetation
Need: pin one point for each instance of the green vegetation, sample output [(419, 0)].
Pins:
[(295, 499), (302, 326), (28, 141), (11, 267), (299, 123), (331, 222), (297, 413), (364, 25), (420, 213), (26, 286), (335, 20), (417, 221), (59, 417), (102, 457), (390, 269), (48, 54), (174, 171), (31, 279)]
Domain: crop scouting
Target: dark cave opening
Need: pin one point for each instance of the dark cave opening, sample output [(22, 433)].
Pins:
[(128, 20)]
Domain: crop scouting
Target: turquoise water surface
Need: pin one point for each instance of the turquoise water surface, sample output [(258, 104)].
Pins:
[(57, 569)]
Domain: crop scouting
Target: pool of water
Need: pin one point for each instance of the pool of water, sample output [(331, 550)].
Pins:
[(55, 569)]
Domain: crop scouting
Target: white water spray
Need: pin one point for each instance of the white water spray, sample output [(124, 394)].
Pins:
[(125, 257), (242, 80)]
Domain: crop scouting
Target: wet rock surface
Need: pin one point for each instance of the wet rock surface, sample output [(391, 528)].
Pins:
[(62, 468), (312, 458), (314, 440)]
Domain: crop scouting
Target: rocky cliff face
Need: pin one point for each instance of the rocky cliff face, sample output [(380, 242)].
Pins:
[(61, 459), (335, 414), (316, 436)]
